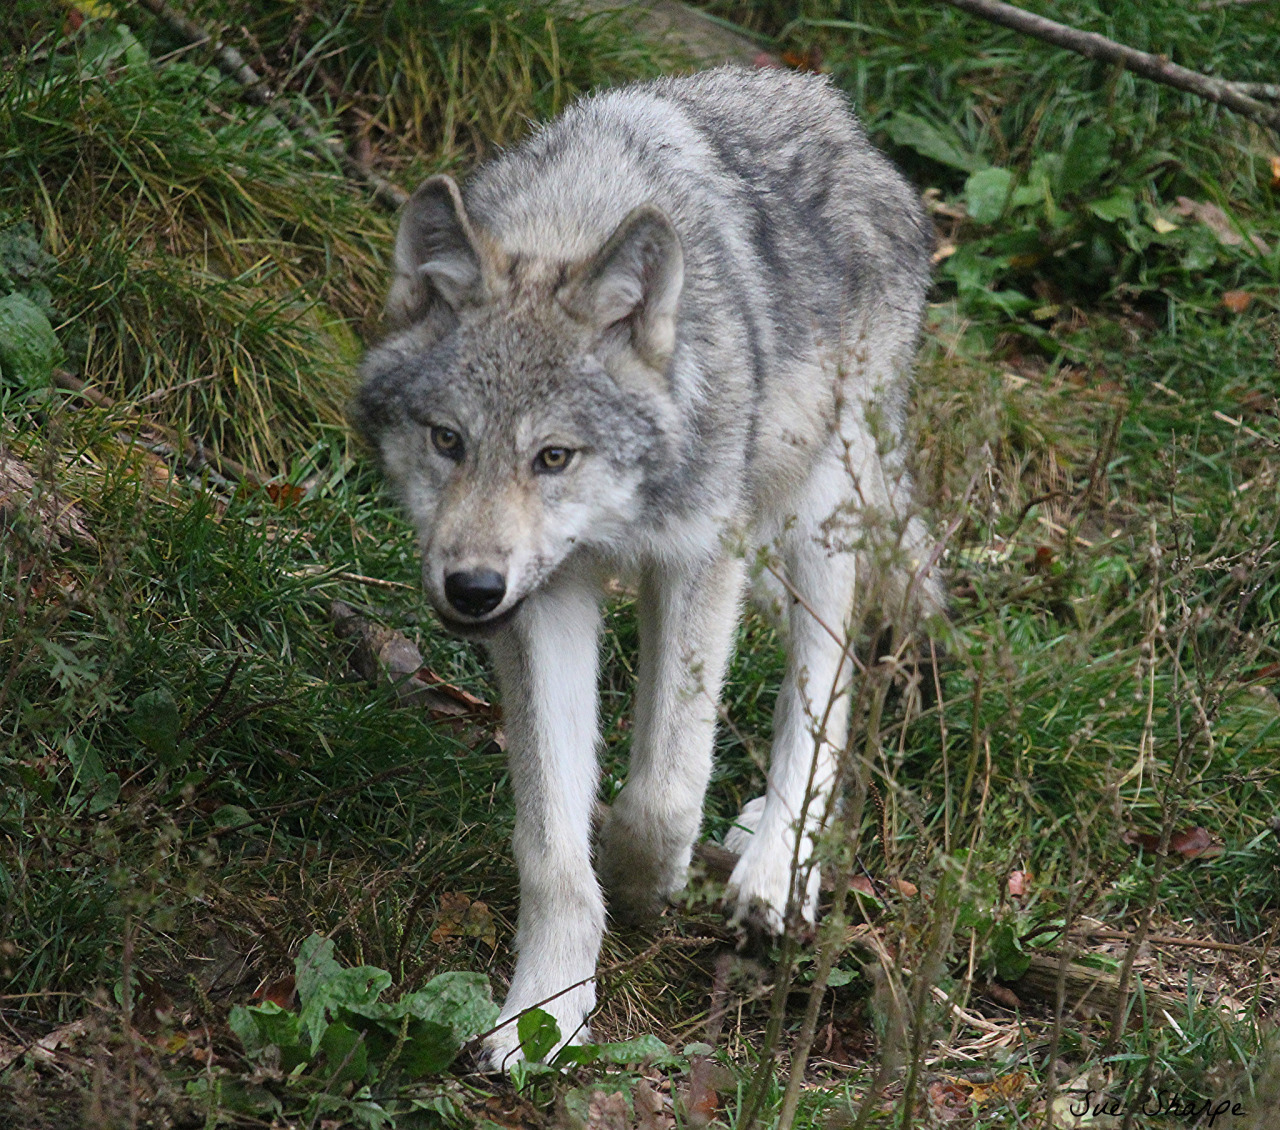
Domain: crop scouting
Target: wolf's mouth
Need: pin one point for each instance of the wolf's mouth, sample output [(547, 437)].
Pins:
[(479, 629)]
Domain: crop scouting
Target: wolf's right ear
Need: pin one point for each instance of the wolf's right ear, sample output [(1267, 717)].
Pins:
[(437, 256)]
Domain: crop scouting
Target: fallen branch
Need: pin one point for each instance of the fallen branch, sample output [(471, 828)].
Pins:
[(232, 64), (1234, 95), (195, 453)]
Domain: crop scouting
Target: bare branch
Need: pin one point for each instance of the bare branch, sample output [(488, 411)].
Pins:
[(1235, 96), (232, 64)]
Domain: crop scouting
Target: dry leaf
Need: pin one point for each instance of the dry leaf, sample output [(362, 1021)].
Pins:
[(1237, 301), (279, 992), (1275, 172), (1190, 843), (949, 1102), (607, 1110), (1018, 879), (1218, 222), (460, 917)]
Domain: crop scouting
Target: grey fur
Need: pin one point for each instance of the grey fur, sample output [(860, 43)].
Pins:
[(709, 289)]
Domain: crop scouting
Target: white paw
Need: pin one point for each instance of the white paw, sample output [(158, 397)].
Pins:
[(642, 862), (501, 1050), (762, 882)]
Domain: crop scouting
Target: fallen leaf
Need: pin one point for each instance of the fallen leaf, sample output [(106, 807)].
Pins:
[(607, 1110), (1218, 222), (1190, 843), (811, 60), (1275, 172), (1237, 301), (949, 1102), (461, 917), (866, 886), (279, 992), (1003, 996), (651, 1108), (1018, 879)]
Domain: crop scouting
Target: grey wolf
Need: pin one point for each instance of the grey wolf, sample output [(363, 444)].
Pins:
[(670, 330)]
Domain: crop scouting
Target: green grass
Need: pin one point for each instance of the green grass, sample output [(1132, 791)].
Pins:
[(194, 782)]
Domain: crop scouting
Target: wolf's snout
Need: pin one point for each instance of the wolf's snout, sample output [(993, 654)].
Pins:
[(473, 592)]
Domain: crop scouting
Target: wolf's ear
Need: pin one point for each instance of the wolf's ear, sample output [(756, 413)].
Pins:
[(634, 282), (437, 254)]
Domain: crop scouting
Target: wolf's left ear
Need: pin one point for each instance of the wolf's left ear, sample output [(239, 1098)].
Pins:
[(437, 254), (634, 282)]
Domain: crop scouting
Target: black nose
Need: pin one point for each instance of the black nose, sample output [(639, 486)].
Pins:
[(475, 592)]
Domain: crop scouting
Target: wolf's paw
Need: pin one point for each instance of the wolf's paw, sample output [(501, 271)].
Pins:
[(639, 867), (761, 883)]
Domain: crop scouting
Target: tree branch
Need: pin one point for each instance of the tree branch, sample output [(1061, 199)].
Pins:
[(232, 64), (1234, 95)]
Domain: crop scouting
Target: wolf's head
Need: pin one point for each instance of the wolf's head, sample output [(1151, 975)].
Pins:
[(523, 408)]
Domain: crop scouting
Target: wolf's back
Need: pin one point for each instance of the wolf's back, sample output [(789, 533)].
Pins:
[(779, 198)]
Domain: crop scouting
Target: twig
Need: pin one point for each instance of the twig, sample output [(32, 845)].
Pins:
[(232, 64), (1166, 940), (1235, 96), (194, 452)]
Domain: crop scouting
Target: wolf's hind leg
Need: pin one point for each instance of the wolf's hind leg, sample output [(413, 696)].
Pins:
[(687, 624), (546, 664), (810, 725)]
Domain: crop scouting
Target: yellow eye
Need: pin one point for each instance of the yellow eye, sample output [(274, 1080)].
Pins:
[(552, 460), (447, 442)]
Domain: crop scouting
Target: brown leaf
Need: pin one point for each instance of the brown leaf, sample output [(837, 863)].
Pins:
[(461, 917), (1275, 172), (284, 494), (949, 1101), (864, 885), (279, 992), (1218, 222), (607, 1110), (1003, 996), (1194, 843), (1237, 301), (700, 1101), (810, 61), (1190, 843), (651, 1108), (1018, 883)]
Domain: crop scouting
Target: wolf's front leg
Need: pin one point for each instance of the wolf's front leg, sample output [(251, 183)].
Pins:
[(687, 623), (546, 663), (810, 724)]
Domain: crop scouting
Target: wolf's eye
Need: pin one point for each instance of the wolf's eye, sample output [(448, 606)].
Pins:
[(447, 442), (552, 460)]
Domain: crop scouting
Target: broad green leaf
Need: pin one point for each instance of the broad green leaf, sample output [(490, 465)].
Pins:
[(29, 348), (345, 1053), (462, 1002), (428, 1049), (85, 763), (315, 963), (1120, 205), (105, 795), (1086, 159), (647, 1048), (838, 977), (929, 141), (538, 1032), (155, 723), (1006, 951), (325, 987), (985, 194)]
